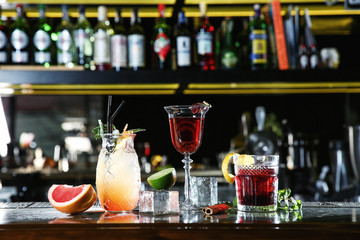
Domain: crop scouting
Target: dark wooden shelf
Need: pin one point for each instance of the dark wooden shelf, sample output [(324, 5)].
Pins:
[(156, 82)]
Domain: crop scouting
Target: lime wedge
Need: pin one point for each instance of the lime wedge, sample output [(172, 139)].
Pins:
[(162, 180)]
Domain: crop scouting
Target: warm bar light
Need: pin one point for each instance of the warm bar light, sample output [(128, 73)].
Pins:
[(95, 89), (4, 132), (94, 92), (270, 85), (96, 2), (272, 88), (190, 11), (141, 86), (243, 11), (254, 1), (91, 12), (270, 91)]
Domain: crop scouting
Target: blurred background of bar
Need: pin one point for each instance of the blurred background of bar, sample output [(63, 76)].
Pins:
[(312, 111)]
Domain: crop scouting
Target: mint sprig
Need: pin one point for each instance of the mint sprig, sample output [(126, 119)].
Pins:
[(287, 202), (102, 129), (97, 131), (136, 130)]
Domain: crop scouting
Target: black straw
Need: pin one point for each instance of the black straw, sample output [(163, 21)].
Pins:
[(108, 120), (117, 111)]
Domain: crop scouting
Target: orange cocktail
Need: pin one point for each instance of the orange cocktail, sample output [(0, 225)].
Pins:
[(118, 173)]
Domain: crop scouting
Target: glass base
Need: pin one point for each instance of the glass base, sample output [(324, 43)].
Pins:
[(188, 205), (247, 208), (119, 212), (253, 217)]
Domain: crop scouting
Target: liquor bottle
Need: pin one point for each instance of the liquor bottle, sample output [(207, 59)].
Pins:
[(183, 43), (219, 38), (242, 44), (4, 43), (136, 43), (229, 58), (83, 34), (65, 43), (161, 41), (118, 43), (314, 58), (205, 41), (102, 45), (19, 38), (42, 40), (258, 41), (303, 58)]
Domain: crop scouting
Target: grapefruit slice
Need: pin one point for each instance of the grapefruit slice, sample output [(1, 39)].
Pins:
[(72, 199)]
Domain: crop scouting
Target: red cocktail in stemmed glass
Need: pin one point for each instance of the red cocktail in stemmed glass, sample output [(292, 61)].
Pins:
[(186, 129)]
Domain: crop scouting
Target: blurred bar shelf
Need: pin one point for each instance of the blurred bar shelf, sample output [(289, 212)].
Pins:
[(32, 80), (148, 8), (91, 12), (53, 175), (118, 2)]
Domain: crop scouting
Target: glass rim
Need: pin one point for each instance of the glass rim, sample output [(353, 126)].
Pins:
[(264, 155), (117, 134), (270, 160), (178, 106), (183, 106)]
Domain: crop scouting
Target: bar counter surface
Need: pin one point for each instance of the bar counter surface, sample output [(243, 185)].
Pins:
[(318, 221)]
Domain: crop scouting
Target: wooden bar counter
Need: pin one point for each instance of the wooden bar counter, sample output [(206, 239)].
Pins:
[(317, 221)]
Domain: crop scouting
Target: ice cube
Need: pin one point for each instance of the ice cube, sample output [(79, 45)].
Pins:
[(204, 191), (159, 202)]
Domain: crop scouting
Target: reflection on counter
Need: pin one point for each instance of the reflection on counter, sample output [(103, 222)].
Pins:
[(45, 213), (272, 217)]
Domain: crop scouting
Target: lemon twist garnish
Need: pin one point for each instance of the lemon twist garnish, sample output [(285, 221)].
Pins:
[(245, 160), (224, 167), (241, 159)]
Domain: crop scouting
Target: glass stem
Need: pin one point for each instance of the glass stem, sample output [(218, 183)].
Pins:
[(187, 166)]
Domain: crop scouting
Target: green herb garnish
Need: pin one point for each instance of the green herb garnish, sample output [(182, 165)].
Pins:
[(97, 131), (136, 130), (287, 202), (102, 129)]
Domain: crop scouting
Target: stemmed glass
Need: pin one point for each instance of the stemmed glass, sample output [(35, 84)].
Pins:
[(186, 128)]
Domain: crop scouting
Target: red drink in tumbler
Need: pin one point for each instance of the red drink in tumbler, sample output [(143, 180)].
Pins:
[(186, 133), (257, 187)]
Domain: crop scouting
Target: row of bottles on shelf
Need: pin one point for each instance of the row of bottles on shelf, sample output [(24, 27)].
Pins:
[(111, 46)]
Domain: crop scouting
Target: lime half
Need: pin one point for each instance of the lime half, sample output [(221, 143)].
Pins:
[(163, 180)]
